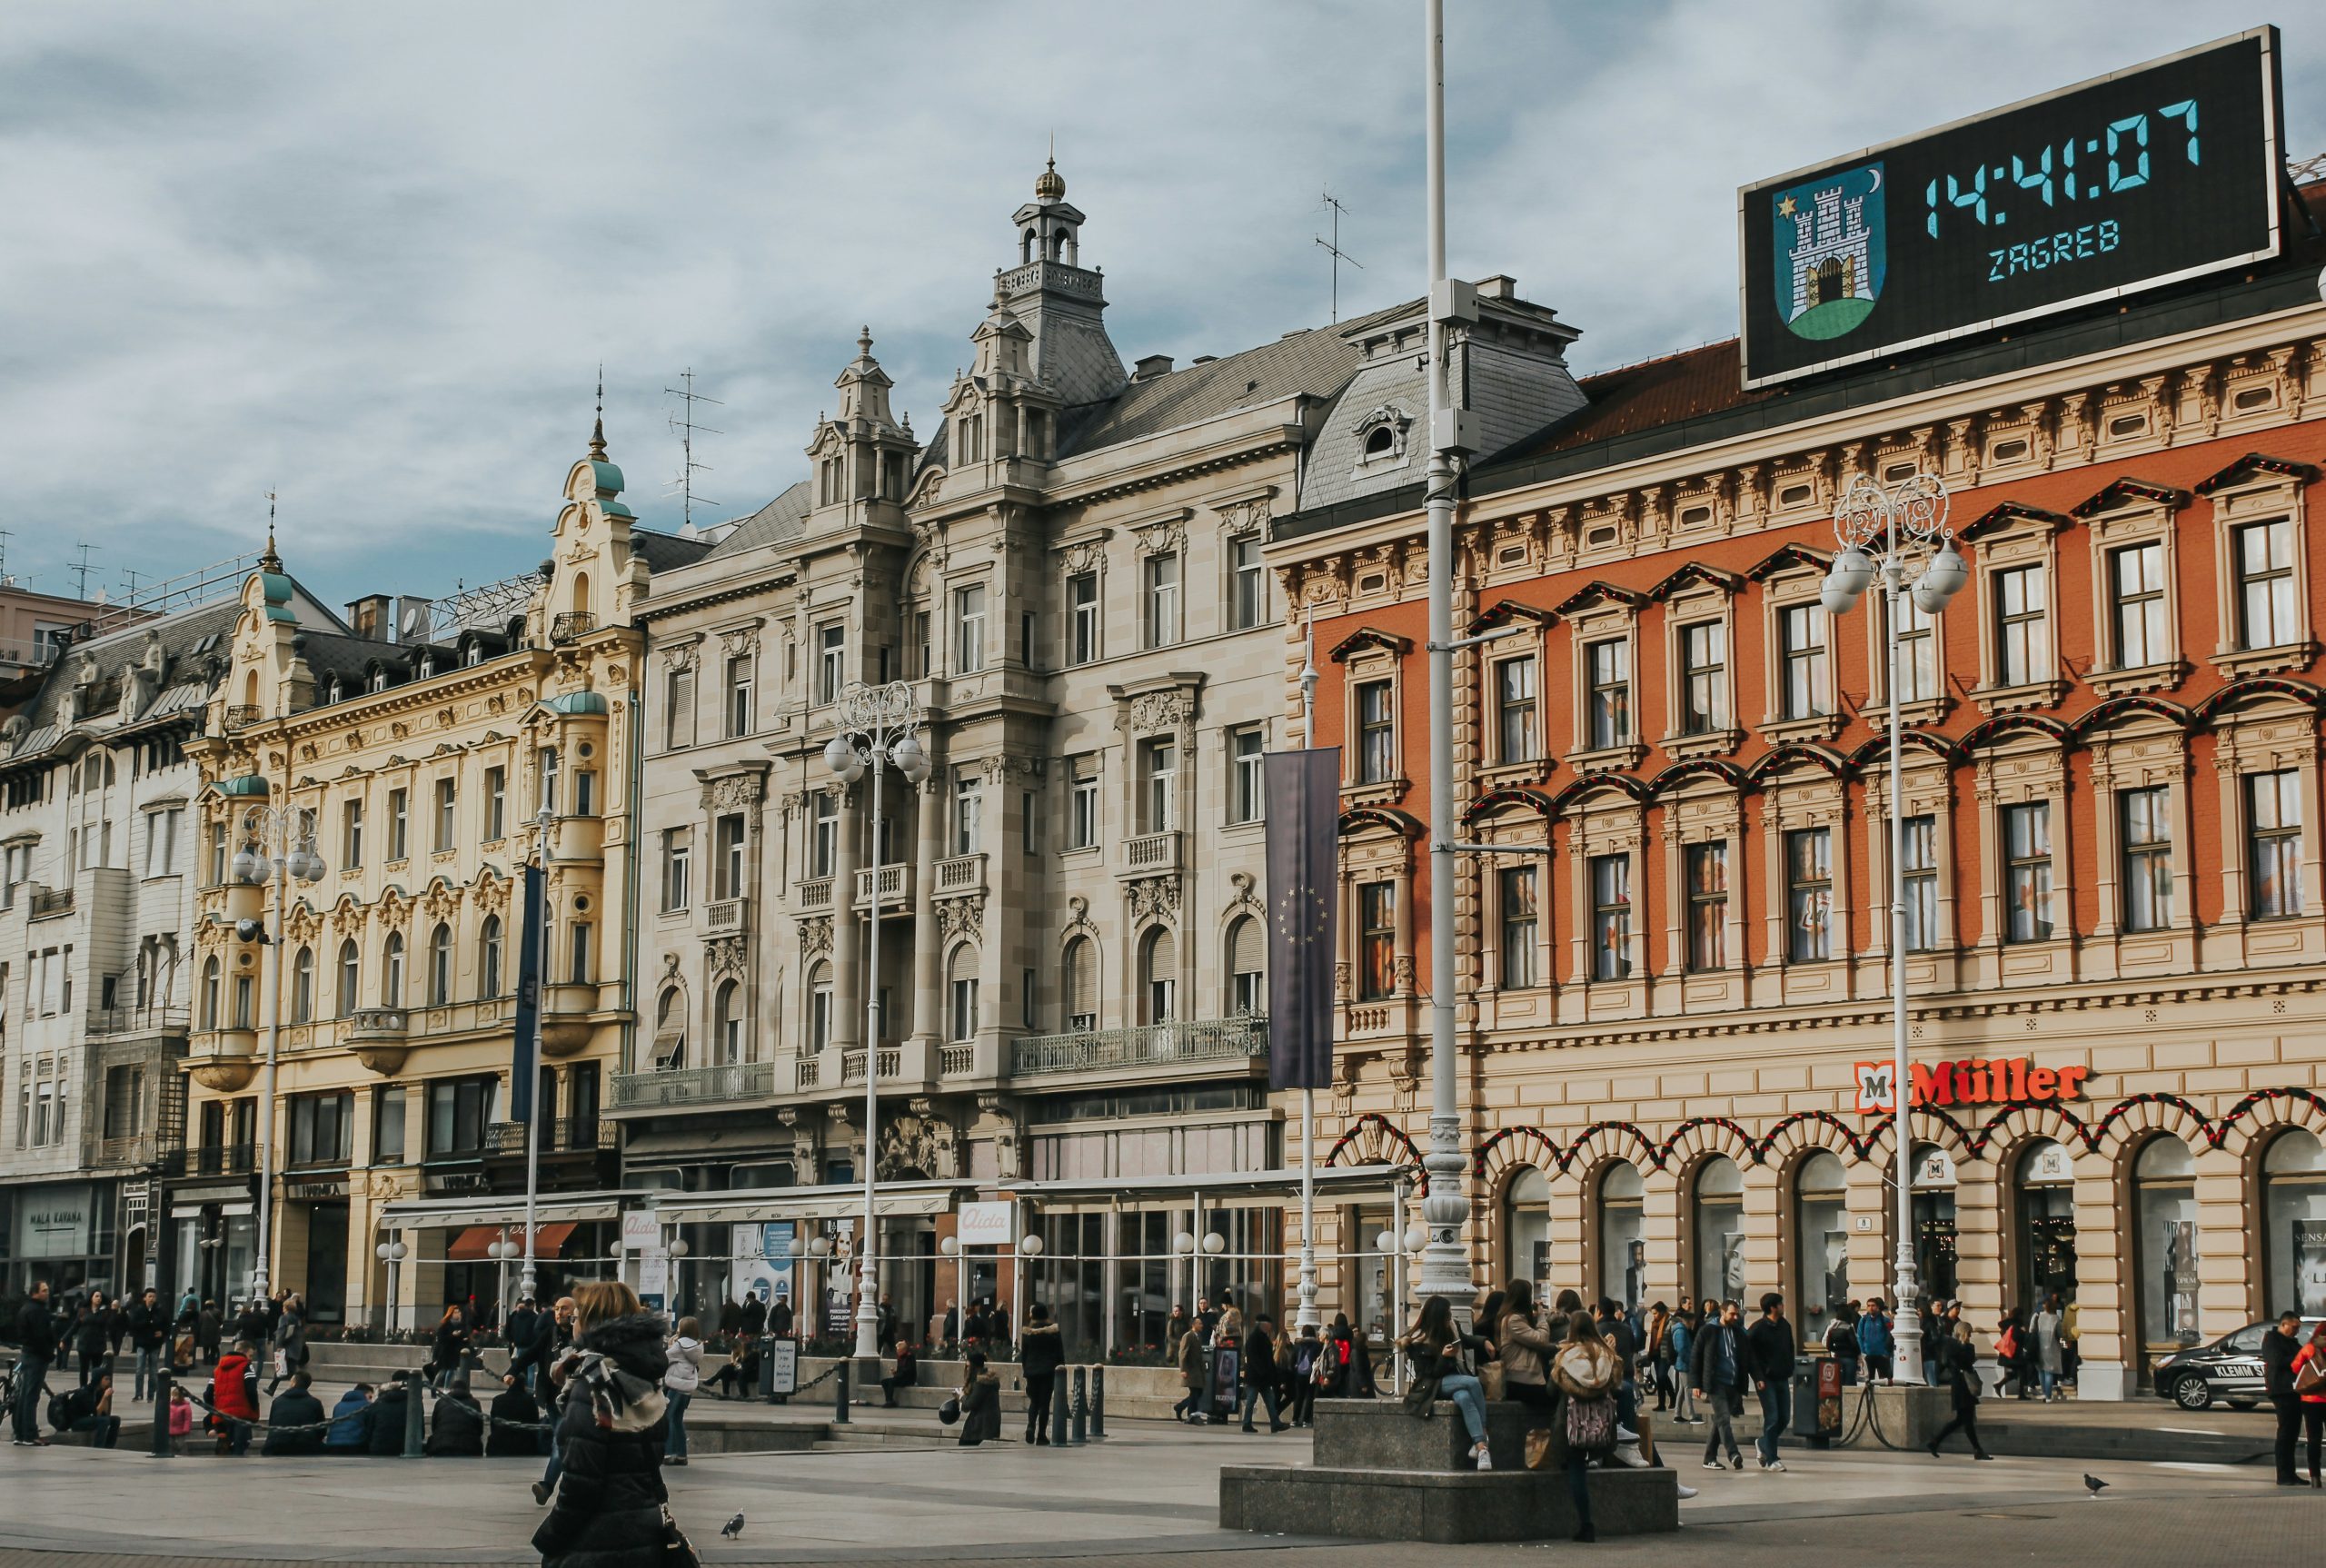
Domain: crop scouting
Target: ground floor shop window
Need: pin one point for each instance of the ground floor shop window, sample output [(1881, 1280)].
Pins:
[(1623, 1235), (1934, 1223), (2045, 1256), (1717, 1223), (1527, 1229), (2293, 1236), (2164, 1211), (1821, 1242)]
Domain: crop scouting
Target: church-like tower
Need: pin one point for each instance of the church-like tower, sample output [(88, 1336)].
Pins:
[(1058, 300)]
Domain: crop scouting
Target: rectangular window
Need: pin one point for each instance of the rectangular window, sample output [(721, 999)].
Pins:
[(2022, 632), (1921, 866), (1247, 774), (966, 812), (1082, 618), (1703, 677), (459, 1111), (1521, 952), (1082, 802), (162, 840), (740, 672), (2144, 821), (399, 824), (387, 1125), (2273, 844), (917, 653), (580, 948), (678, 718), (1162, 584), (549, 780), (322, 1129), (2136, 577), (1376, 734), (969, 629), (831, 661), (1376, 940), (2027, 872), (217, 855), (1034, 834), (1515, 706), (727, 856), (1247, 583), (1809, 895), (1158, 785), (1802, 627), (585, 792), (1608, 668), (823, 838), (496, 804), (1707, 869), (964, 1009), (678, 850), (448, 816), (1611, 917), (351, 834), (1917, 653), (819, 1015), (2265, 585)]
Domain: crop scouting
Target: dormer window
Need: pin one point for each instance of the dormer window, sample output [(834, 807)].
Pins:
[(338, 690), (1382, 443), (1381, 438), (476, 655), (427, 665), (379, 680)]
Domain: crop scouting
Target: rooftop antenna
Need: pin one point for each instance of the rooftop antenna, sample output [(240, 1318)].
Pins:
[(5, 535), (683, 425), (81, 569), (1333, 247)]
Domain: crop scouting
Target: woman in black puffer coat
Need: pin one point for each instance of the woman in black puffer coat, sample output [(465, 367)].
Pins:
[(611, 1500)]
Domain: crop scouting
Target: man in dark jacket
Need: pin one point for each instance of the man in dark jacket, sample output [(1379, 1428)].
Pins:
[(351, 1423), (458, 1430), (2279, 1347), (37, 1340), (148, 1327), (388, 1417), (295, 1407), (1259, 1374), (1723, 1366), (523, 1332), (89, 1408), (515, 1414), (1041, 1353), (1775, 1353), (980, 1396)]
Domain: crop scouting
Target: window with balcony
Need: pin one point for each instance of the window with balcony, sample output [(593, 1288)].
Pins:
[(496, 804), (1517, 734), (399, 824), (678, 707), (820, 1006), (1247, 773), (1376, 940), (1703, 677), (2136, 585), (740, 673), (823, 834), (1082, 644), (2273, 844), (488, 956), (448, 814), (1809, 895), (968, 812), (1520, 948), (303, 986), (1162, 595), (351, 834), (831, 661), (678, 851), (350, 974), (1082, 802), (1807, 689), (2023, 627), (1707, 876), (2145, 838), (1247, 583), (961, 994), (727, 856), (1159, 802), (1611, 917), (1079, 987), (2027, 872), (1609, 692), (727, 1021), (1248, 965), (459, 1112), (1921, 866), (2264, 555), (440, 965), (1159, 977), (968, 629), (391, 971), (1376, 734)]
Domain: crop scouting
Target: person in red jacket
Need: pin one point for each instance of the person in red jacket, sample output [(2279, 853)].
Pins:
[(233, 1396), (2308, 1367)]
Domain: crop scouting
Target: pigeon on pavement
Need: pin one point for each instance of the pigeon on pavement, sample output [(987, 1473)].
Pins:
[(734, 1527), (2094, 1485)]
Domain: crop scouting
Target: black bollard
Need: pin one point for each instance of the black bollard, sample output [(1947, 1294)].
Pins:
[(415, 1417), (162, 1449), (1081, 1408), (840, 1395), (1060, 1433), (1097, 1404)]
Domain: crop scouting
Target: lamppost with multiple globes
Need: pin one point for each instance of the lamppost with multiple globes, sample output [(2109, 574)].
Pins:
[(877, 727), (1886, 534), (278, 844)]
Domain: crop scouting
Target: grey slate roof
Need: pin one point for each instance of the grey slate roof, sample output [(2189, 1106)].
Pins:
[(189, 641), (663, 551), (779, 521)]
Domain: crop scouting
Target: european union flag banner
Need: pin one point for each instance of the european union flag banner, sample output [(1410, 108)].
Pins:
[(529, 1001), (1304, 869)]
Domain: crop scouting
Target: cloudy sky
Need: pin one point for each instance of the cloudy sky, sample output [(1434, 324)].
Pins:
[(370, 257)]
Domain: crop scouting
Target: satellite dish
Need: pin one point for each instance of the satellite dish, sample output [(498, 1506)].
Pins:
[(413, 626), (98, 597)]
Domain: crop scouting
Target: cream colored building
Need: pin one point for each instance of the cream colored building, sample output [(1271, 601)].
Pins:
[(416, 752)]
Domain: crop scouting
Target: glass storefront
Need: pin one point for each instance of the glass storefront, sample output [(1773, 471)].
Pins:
[(1934, 1223), (2294, 1236), (1821, 1242), (1716, 1222), (2165, 1248), (59, 1231), (1623, 1236), (1526, 1229), (2045, 1262)]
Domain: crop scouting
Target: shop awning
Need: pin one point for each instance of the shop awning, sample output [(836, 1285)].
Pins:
[(447, 1214), (759, 1205), (469, 1246), (1214, 1186)]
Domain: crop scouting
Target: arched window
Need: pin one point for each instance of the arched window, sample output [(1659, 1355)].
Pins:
[(1526, 1227), (391, 971), (213, 995), (2293, 1224), (351, 970), (727, 1021), (1081, 984), (303, 986), (580, 591), (2164, 1249), (1247, 968), (440, 965), (488, 958), (1159, 976), (1934, 1221), (1716, 1220), (961, 994), (820, 1005), (2045, 1259), (1821, 1242), (1381, 442), (670, 1028), (1623, 1235)]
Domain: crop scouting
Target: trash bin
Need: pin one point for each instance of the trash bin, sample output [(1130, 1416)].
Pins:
[(1817, 1402)]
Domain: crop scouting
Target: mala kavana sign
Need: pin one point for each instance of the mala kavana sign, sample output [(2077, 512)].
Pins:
[(1979, 1081)]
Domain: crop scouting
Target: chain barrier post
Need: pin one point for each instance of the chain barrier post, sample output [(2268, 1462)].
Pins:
[(1081, 1406), (840, 1395), (415, 1418), (1097, 1404), (162, 1449), (1061, 1430)]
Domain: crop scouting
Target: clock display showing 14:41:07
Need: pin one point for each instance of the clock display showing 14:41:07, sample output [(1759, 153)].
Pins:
[(2079, 169)]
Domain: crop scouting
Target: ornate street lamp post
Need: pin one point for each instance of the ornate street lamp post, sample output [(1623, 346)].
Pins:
[(278, 844), (1885, 533), (877, 731)]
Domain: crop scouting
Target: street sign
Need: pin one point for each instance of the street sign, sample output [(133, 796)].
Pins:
[(783, 1366), (640, 1230), (987, 1224)]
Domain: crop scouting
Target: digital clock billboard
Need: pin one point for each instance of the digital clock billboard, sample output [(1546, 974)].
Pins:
[(2161, 172)]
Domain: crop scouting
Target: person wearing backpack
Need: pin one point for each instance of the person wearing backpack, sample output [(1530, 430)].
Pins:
[(2310, 1388), (1877, 1342), (1960, 1359), (1308, 1355), (1587, 1370)]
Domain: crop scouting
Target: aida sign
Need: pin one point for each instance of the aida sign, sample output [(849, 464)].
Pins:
[(1981, 1081)]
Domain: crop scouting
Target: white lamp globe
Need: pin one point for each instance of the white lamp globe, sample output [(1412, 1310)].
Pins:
[(1031, 1247), (1386, 1242), (248, 866), (381, 1252), (950, 1246), (678, 1247), (1214, 1243), (1417, 1238), (1183, 1243)]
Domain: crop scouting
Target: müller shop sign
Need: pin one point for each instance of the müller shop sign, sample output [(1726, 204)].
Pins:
[(1979, 1081)]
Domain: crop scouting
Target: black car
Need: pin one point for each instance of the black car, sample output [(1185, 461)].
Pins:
[(2228, 1370)]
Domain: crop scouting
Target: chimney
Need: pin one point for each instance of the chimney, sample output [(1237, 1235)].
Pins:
[(1151, 367), (368, 617), (1501, 286)]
